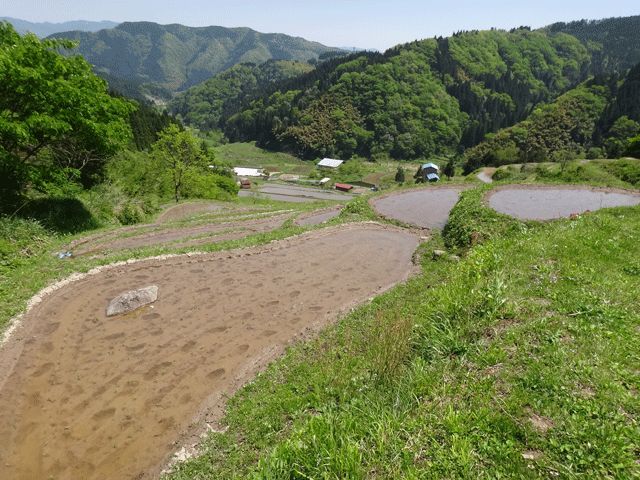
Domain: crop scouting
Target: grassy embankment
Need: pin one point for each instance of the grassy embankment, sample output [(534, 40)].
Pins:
[(520, 361)]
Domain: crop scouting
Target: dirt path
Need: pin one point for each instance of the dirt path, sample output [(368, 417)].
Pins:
[(83, 396)]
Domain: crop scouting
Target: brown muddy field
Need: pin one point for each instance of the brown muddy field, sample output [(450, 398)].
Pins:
[(548, 202), (85, 396), (178, 236), (426, 207)]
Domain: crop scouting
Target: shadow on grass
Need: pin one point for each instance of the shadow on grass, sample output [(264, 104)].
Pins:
[(60, 215)]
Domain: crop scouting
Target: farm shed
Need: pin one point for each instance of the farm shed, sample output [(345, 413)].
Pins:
[(245, 183), (430, 172), (432, 177), (247, 172), (330, 163), (343, 187)]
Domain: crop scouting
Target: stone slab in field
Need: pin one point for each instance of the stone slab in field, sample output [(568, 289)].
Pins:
[(129, 301)]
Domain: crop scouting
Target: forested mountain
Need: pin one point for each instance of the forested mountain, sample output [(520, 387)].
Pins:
[(427, 96), (612, 42), (176, 57), (597, 118), (44, 29), (202, 106)]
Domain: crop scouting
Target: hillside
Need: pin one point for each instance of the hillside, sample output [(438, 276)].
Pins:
[(177, 57), (203, 105), (426, 97)]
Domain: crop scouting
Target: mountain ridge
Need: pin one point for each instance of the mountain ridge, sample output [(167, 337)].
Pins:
[(177, 57)]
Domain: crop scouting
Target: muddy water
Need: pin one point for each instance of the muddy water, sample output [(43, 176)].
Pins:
[(92, 397), (427, 208), (550, 203)]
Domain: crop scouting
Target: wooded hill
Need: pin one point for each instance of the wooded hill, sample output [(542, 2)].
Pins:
[(431, 96), (176, 57)]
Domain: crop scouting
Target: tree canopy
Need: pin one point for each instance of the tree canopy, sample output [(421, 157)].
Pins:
[(52, 103)]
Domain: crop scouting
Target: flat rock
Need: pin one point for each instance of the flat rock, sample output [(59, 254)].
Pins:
[(129, 301)]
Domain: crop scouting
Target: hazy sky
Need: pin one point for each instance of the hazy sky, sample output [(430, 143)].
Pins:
[(372, 24)]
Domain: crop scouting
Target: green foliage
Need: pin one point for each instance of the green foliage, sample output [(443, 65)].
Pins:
[(566, 124), (55, 103), (20, 239), (399, 178), (471, 222), (180, 155), (202, 106), (633, 147), (130, 214)]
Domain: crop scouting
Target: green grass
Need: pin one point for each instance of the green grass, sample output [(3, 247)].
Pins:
[(520, 361)]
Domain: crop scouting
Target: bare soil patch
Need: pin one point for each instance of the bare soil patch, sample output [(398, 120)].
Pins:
[(184, 210), (83, 395), (426, 207), (547, 202), (182, 236)]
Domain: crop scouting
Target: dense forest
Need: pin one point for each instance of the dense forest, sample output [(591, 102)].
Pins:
[(415, 100)]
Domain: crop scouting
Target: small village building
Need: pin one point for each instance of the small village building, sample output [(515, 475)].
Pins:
[(432, 177), (430, 172), (343, 187), (245, 183), (247, 172), (330, 163)]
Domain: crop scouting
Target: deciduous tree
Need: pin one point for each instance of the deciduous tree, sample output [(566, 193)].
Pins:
[(48, 101)]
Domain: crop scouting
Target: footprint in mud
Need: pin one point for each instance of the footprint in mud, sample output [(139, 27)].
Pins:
[(142, 277), (186, 398), (227, 281), (104, 414), (42, 369), (99, 392), (157, 332), (273, 303), (115, 336), (216, 330), (46, 347), (188, 346), (353, 290), (35, 399), (268, 333), (258, 285), (315, 309), (278, 279), (203, 290), (82, 405), (150, 316), (52, 327), (247, 316), (295, 320), (155, 370), (243, 348), (137, 349), (195, 271), (256, 272), (294, 294), (215, 374)]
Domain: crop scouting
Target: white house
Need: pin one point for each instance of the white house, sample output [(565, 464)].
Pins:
[(330, 163)]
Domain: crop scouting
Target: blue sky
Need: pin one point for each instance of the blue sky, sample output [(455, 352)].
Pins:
[(372, 24)]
